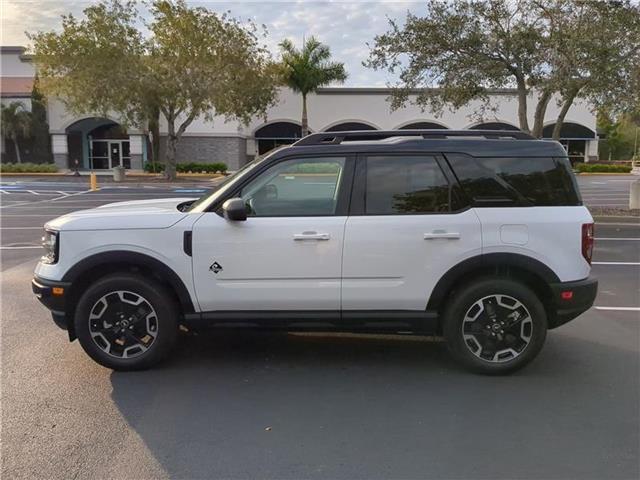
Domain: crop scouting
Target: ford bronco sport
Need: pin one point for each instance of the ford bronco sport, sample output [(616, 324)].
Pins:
[(479, 236)]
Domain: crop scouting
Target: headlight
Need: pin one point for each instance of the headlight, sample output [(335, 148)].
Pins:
[(51, 246)]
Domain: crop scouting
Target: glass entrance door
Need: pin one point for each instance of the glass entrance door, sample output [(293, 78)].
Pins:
[(107, 154), (115, 154)]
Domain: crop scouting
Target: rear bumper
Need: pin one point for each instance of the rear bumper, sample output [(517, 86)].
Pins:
[(571, 299), (54, 300)]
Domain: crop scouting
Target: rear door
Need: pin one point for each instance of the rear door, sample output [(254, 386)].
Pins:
[(407, 227)]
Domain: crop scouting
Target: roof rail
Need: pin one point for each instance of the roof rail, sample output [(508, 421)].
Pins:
[(324, 138)]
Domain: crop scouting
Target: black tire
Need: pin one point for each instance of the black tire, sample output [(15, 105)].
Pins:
[(157, 315), (499, 344)]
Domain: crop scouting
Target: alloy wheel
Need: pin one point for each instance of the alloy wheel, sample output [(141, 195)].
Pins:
[(123, 324), (497, 328)]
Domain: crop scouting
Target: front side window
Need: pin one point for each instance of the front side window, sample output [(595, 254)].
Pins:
[(401, 185), (300, 187)]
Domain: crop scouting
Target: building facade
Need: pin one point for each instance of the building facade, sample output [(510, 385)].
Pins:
[(98, 142)]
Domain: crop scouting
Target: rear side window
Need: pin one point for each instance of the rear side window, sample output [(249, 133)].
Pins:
[(401, 185), (509, 181)]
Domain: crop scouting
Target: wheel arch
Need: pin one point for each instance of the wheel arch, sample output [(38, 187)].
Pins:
[(99, 265), (535, 274)]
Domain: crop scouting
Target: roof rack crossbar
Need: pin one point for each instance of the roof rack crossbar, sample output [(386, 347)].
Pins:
[(324, 138)]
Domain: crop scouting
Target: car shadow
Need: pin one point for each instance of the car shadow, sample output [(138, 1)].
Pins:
[(247, 405)]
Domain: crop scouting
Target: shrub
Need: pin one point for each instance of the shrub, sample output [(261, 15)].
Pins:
[(191, 167), (601, 168), (315, 168), (28, 168)]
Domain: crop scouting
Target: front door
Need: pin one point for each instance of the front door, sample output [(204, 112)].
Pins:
[(405, 234), (115, 154), (287, 255)]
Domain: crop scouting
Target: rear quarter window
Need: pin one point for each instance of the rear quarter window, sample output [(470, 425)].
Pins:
[(510, 181)]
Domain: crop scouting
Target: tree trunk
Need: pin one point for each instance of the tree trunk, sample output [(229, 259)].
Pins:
[(541, 110), (170, 166), (154, 127), (566, 105), (522, 105), (305, 121), (15, 143)]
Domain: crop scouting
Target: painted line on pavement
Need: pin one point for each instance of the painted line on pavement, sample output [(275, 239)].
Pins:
[(616, 263), (616, 239), (620, 309), (21, 228), (21, 248)]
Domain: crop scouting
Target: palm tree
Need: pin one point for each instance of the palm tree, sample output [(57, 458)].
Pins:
[(16, 122), (308, 69)]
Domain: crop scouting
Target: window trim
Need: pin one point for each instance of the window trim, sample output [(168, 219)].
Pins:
[(358, 196), (344, 187)]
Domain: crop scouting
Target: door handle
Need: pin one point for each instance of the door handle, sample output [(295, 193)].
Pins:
[(441, 234), (298, 237)]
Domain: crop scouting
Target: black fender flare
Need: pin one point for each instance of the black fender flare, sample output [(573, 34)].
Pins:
[(133, 259), (483, 263)]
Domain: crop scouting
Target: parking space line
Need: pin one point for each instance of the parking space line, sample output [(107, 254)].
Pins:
[(616, 239), (616, 263), (21, 228), (21, 248), (620, 309)]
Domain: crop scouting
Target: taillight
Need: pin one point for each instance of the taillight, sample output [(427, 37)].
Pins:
[(587, 241)]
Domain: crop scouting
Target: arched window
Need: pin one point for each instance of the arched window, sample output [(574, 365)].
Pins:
[(275, 134), (573, 137), (423, 126), (495, 126), (346, 126)]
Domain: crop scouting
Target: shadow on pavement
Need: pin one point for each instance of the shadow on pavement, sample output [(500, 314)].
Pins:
[(288, 406)]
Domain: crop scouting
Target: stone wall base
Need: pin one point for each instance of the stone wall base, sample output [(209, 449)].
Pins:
[(229, 150)]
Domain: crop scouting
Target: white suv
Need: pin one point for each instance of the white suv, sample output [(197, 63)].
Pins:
[(480, 236)]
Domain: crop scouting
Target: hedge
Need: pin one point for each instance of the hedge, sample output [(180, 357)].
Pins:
[(191, 167), (28, 168), (601, 168), (315, 168)]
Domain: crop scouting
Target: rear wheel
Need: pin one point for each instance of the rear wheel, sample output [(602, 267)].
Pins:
[(126, 322), (495, 326)]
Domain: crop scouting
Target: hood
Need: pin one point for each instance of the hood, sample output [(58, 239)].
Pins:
[(137, 214)]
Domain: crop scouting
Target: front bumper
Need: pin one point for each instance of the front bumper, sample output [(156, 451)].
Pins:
[(570, 299), (53, 295)]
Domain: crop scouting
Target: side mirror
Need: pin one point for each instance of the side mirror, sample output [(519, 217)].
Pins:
[(234, 209)]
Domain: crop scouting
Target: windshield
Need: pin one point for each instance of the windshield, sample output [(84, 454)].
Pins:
[(203, 202)]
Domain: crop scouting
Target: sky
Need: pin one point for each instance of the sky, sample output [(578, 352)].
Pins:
[(346, 26)]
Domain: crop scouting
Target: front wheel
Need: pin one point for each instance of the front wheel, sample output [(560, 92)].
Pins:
[(495, 326), (126, 322)]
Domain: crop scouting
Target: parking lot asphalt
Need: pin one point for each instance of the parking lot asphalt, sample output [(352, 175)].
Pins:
[(316, 406)]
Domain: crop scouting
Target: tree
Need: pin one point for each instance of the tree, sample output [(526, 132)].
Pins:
[(193, 63), (16, 124), (307, 69), (40, 140), (594, 55), (460, 50)]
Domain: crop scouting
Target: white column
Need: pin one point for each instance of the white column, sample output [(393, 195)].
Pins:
[(136, 150), (60, 150)]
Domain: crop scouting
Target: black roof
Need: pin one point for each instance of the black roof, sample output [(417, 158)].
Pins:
[(477, 143)]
